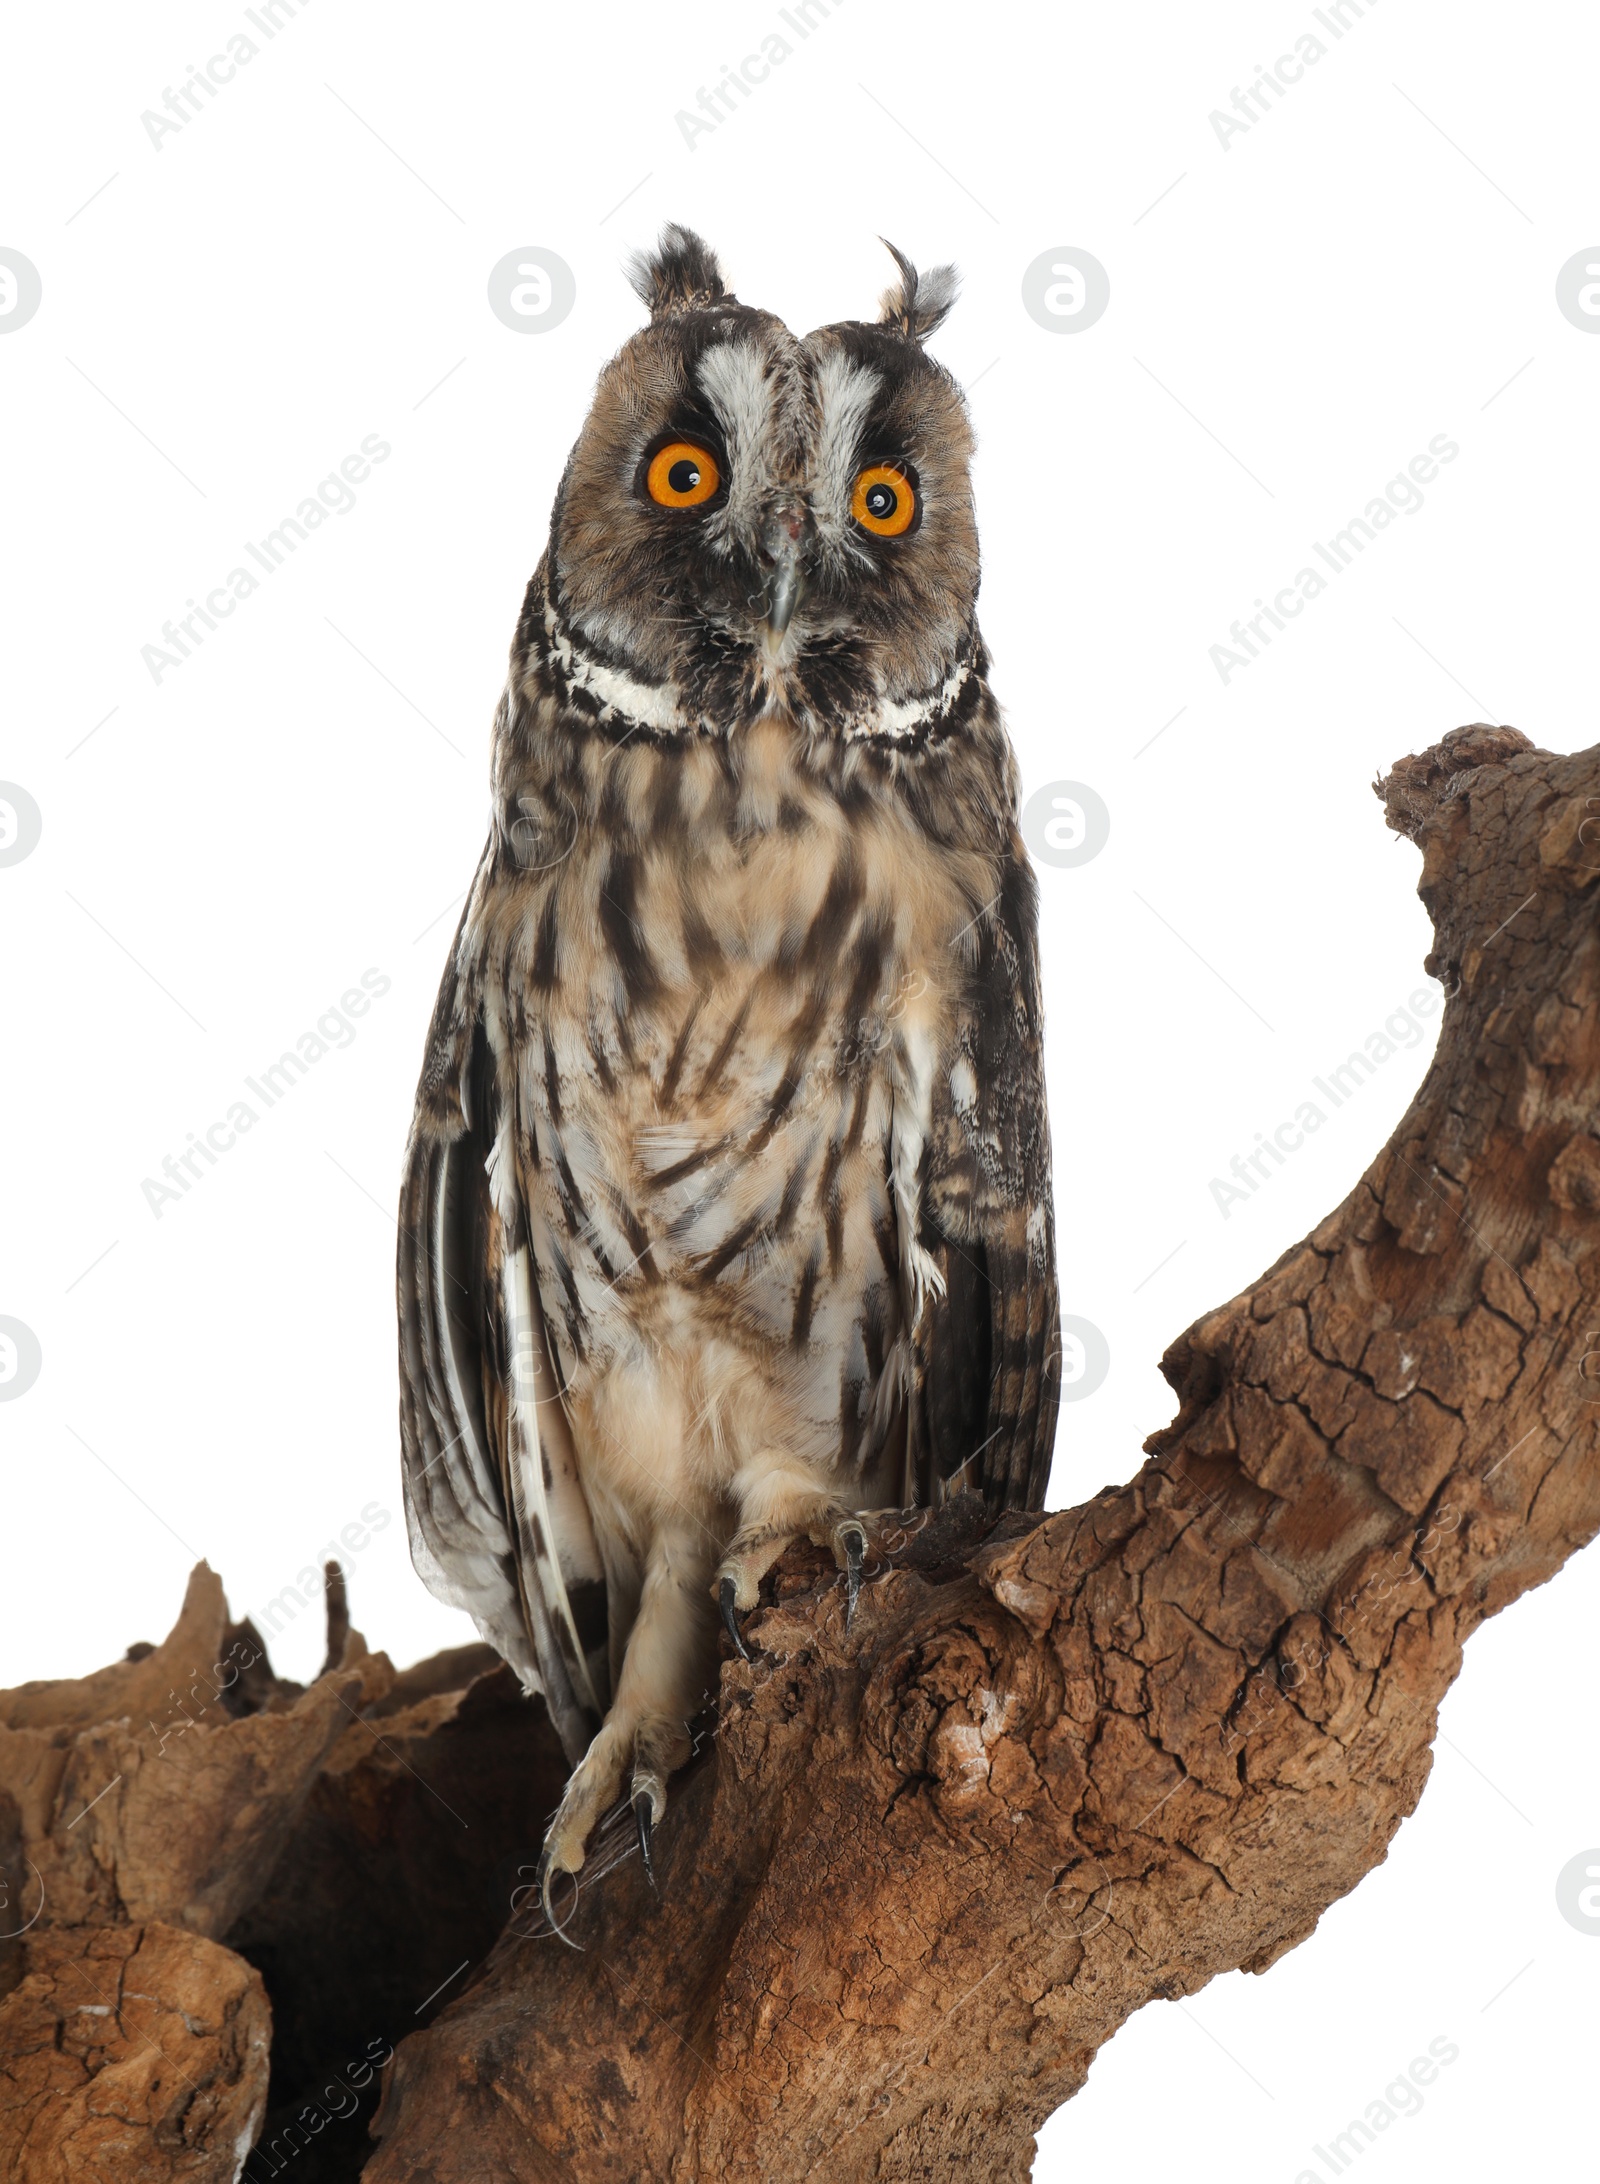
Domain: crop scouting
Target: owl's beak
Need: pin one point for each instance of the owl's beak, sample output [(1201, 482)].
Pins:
[(783, 593), (784, 539)]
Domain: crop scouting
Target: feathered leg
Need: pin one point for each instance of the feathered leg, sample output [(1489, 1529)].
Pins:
[(645, 1735), (778, 1501)]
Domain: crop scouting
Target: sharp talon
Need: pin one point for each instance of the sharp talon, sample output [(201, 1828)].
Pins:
[(642, 1813), (547, 1874), (855, 1556), (730, 1619)]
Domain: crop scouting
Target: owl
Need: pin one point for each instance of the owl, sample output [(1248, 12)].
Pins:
[(727, 1211)]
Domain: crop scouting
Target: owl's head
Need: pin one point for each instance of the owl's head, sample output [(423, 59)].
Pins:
[(751, 519)]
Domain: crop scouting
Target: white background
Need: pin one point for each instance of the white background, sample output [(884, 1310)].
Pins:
[(1292, 318)]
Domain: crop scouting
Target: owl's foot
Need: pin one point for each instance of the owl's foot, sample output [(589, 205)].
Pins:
[(642, 1754), (752, 1552)]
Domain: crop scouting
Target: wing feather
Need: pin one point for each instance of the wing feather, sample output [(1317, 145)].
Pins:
[(495, 1509), (988, 1350)]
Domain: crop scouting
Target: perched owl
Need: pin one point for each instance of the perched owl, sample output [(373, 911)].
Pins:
[(727, 1206)]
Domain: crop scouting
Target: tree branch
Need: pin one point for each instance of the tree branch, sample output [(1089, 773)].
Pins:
[(921, 1869), (931, 1864)]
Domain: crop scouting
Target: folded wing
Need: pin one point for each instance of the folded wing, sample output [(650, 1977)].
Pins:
[(987, 1352), (494, 1506)]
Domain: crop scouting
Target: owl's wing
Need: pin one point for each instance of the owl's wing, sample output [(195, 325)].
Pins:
[(494, 1507), (987, 1352)]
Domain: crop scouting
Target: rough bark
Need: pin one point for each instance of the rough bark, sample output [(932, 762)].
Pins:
[(354, 1845), (921, 1869), (130, 2055), (932, 1863)]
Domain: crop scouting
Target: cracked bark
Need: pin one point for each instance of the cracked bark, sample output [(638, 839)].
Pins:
[(919, 1871), (927, 1867)]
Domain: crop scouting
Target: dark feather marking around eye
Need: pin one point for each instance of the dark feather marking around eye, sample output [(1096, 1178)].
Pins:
[(619, 893), (680, 1048)]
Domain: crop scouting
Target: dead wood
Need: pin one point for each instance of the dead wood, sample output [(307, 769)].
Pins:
[(129, 2055), (931, 1864), (919, 1871), (354, 1844)]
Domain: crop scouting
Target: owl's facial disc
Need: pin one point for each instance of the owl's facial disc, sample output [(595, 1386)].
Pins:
[(753, 520)]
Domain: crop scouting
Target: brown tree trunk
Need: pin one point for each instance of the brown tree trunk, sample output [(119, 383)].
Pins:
[(921, 1869), (932, 1863)]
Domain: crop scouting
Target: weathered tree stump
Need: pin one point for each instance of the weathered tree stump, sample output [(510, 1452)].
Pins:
[(919, 1870), (932, 1863)]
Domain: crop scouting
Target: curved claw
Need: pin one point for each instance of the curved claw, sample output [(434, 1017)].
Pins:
[(854, 1541), (547, 1874), (730, 1619), (644, 1818)]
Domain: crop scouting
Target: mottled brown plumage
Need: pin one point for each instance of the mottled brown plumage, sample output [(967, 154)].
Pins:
[(727, 1208)]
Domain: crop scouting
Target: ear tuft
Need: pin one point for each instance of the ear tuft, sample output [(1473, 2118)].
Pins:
[(922, 302), (680, 274)]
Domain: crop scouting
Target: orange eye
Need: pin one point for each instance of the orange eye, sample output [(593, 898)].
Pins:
[(682, 475), (884, 500)]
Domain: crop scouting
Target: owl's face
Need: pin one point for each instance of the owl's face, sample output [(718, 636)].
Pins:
[(750, 519)]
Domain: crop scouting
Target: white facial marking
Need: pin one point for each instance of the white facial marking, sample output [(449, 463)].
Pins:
[(845, 394), (899, 720), (651, 705), (736, 381)]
